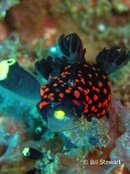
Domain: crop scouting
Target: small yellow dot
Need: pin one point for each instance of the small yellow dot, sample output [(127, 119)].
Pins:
[(59, 115)]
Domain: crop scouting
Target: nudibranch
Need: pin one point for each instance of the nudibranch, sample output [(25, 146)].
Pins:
[(74, 87), (32, 153), (16, 79)]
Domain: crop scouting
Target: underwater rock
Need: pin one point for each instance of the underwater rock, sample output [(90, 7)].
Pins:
[(114, 130), (64, 164), (30, 17), (124, 119), (10, 145), (122, 149), (119, 116), (121, 170), (6, 5), (121, 86), (3, 31)]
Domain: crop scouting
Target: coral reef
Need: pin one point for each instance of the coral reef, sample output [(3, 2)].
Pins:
[(28, 33)]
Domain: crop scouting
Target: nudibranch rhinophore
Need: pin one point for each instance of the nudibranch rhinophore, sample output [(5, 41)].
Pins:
[(74, 87), (17, 80)]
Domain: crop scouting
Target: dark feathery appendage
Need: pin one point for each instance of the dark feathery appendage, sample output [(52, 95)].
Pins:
[(32, 171), (72, 48), (69, 51), (110, 60), (44, 67), (21, 82), (51, 66)]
